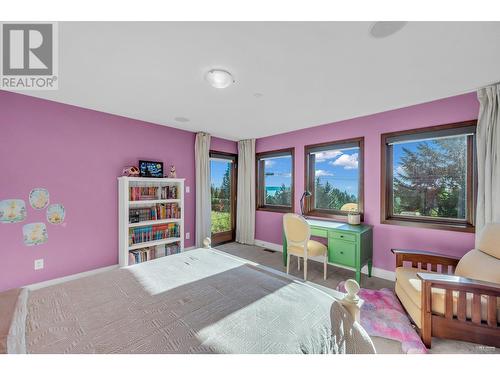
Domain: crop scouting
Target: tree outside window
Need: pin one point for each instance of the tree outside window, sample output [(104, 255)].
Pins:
[(429, 177)]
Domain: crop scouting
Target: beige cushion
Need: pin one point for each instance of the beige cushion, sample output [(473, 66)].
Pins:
[(314, 248), (408, 289), (479, 266), (411, 308), (489, 240)]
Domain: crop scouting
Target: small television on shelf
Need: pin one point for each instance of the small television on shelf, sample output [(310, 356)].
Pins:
[(149, 168)]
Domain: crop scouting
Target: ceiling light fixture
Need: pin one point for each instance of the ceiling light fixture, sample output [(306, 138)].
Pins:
[(220, 79), (384, 29)]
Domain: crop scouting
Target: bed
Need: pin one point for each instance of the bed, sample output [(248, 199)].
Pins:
[(199, 301)]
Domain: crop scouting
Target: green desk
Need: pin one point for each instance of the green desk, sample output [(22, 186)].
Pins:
[(348, 245)]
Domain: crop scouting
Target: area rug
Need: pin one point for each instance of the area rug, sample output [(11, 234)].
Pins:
[(382, 315)]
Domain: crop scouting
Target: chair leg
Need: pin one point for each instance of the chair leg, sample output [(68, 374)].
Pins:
[(298, 263), (287, 263), (324, 268), (305, 269)]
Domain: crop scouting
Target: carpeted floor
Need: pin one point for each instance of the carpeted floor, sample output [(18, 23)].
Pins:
[(273, 259)]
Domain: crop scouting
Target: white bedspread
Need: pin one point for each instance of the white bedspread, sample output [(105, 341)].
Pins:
[(200, 301)]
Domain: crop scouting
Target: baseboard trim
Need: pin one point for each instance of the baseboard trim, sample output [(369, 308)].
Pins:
[(75, 276), (377, 272)]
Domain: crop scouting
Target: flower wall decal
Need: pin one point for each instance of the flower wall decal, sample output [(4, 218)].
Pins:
[(12, 210), (35, 234), (39, 198), (55, 213)]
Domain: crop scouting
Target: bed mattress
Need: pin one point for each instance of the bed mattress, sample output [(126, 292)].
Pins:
[(199, 301)]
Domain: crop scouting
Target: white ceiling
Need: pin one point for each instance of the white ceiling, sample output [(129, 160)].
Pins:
[(308, 73)]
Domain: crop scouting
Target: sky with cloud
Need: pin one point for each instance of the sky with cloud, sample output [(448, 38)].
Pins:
[(278, 171), (339, 168)]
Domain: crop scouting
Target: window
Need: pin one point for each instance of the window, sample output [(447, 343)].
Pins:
[(428, 177), (334, 177), (275, 173)]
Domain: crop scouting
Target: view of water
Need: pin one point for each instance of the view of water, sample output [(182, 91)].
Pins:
[(271, 190)]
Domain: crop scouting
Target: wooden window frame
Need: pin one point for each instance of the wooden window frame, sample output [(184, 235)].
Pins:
[(309, 180), (386, 198), (260, 181), (228, 236)]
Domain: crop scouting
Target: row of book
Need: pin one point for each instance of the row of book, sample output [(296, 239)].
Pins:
[(141, 255), (153, 233), (144, 193), (157, 212), (153, 252)]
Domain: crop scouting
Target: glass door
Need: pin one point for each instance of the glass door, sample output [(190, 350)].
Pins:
[(223, 196)]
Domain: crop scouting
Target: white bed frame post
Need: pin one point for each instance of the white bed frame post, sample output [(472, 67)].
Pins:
[(351, 302)]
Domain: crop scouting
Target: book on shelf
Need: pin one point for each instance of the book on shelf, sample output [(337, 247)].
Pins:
[(145, 193), (153, 252), (159, 211), (153, 233)]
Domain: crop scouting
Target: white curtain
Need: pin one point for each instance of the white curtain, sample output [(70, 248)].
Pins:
[(488, 157), (245, 207), (203, 200)]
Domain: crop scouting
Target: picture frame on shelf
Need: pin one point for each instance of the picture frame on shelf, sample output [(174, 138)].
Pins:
[(150, 168)]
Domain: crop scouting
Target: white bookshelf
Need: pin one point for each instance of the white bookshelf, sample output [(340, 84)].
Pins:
[(125, 205)]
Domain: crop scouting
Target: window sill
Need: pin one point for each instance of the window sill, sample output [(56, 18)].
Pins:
[(282, 210), (425, 224)]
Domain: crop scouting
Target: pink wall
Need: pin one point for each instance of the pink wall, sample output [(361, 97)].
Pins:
[(459, 108), (77, 154), (223, 145)]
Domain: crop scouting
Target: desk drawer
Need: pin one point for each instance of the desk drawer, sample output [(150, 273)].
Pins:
[(343, 236), (319, 232), (342, 252)]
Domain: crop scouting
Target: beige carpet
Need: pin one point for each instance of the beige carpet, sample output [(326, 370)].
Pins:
[(274, 260)]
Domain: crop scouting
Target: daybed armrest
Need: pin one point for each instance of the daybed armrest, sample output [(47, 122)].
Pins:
[(424, 258), (462, 286), (459, 283)]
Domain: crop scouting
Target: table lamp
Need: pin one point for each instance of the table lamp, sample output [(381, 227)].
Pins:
[(307, 193)]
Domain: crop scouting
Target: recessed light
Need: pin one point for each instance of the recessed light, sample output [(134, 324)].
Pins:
[(220, 79), (384, 29), (181, 119)]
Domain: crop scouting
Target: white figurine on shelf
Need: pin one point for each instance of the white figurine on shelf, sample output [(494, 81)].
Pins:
[(173, 173)]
